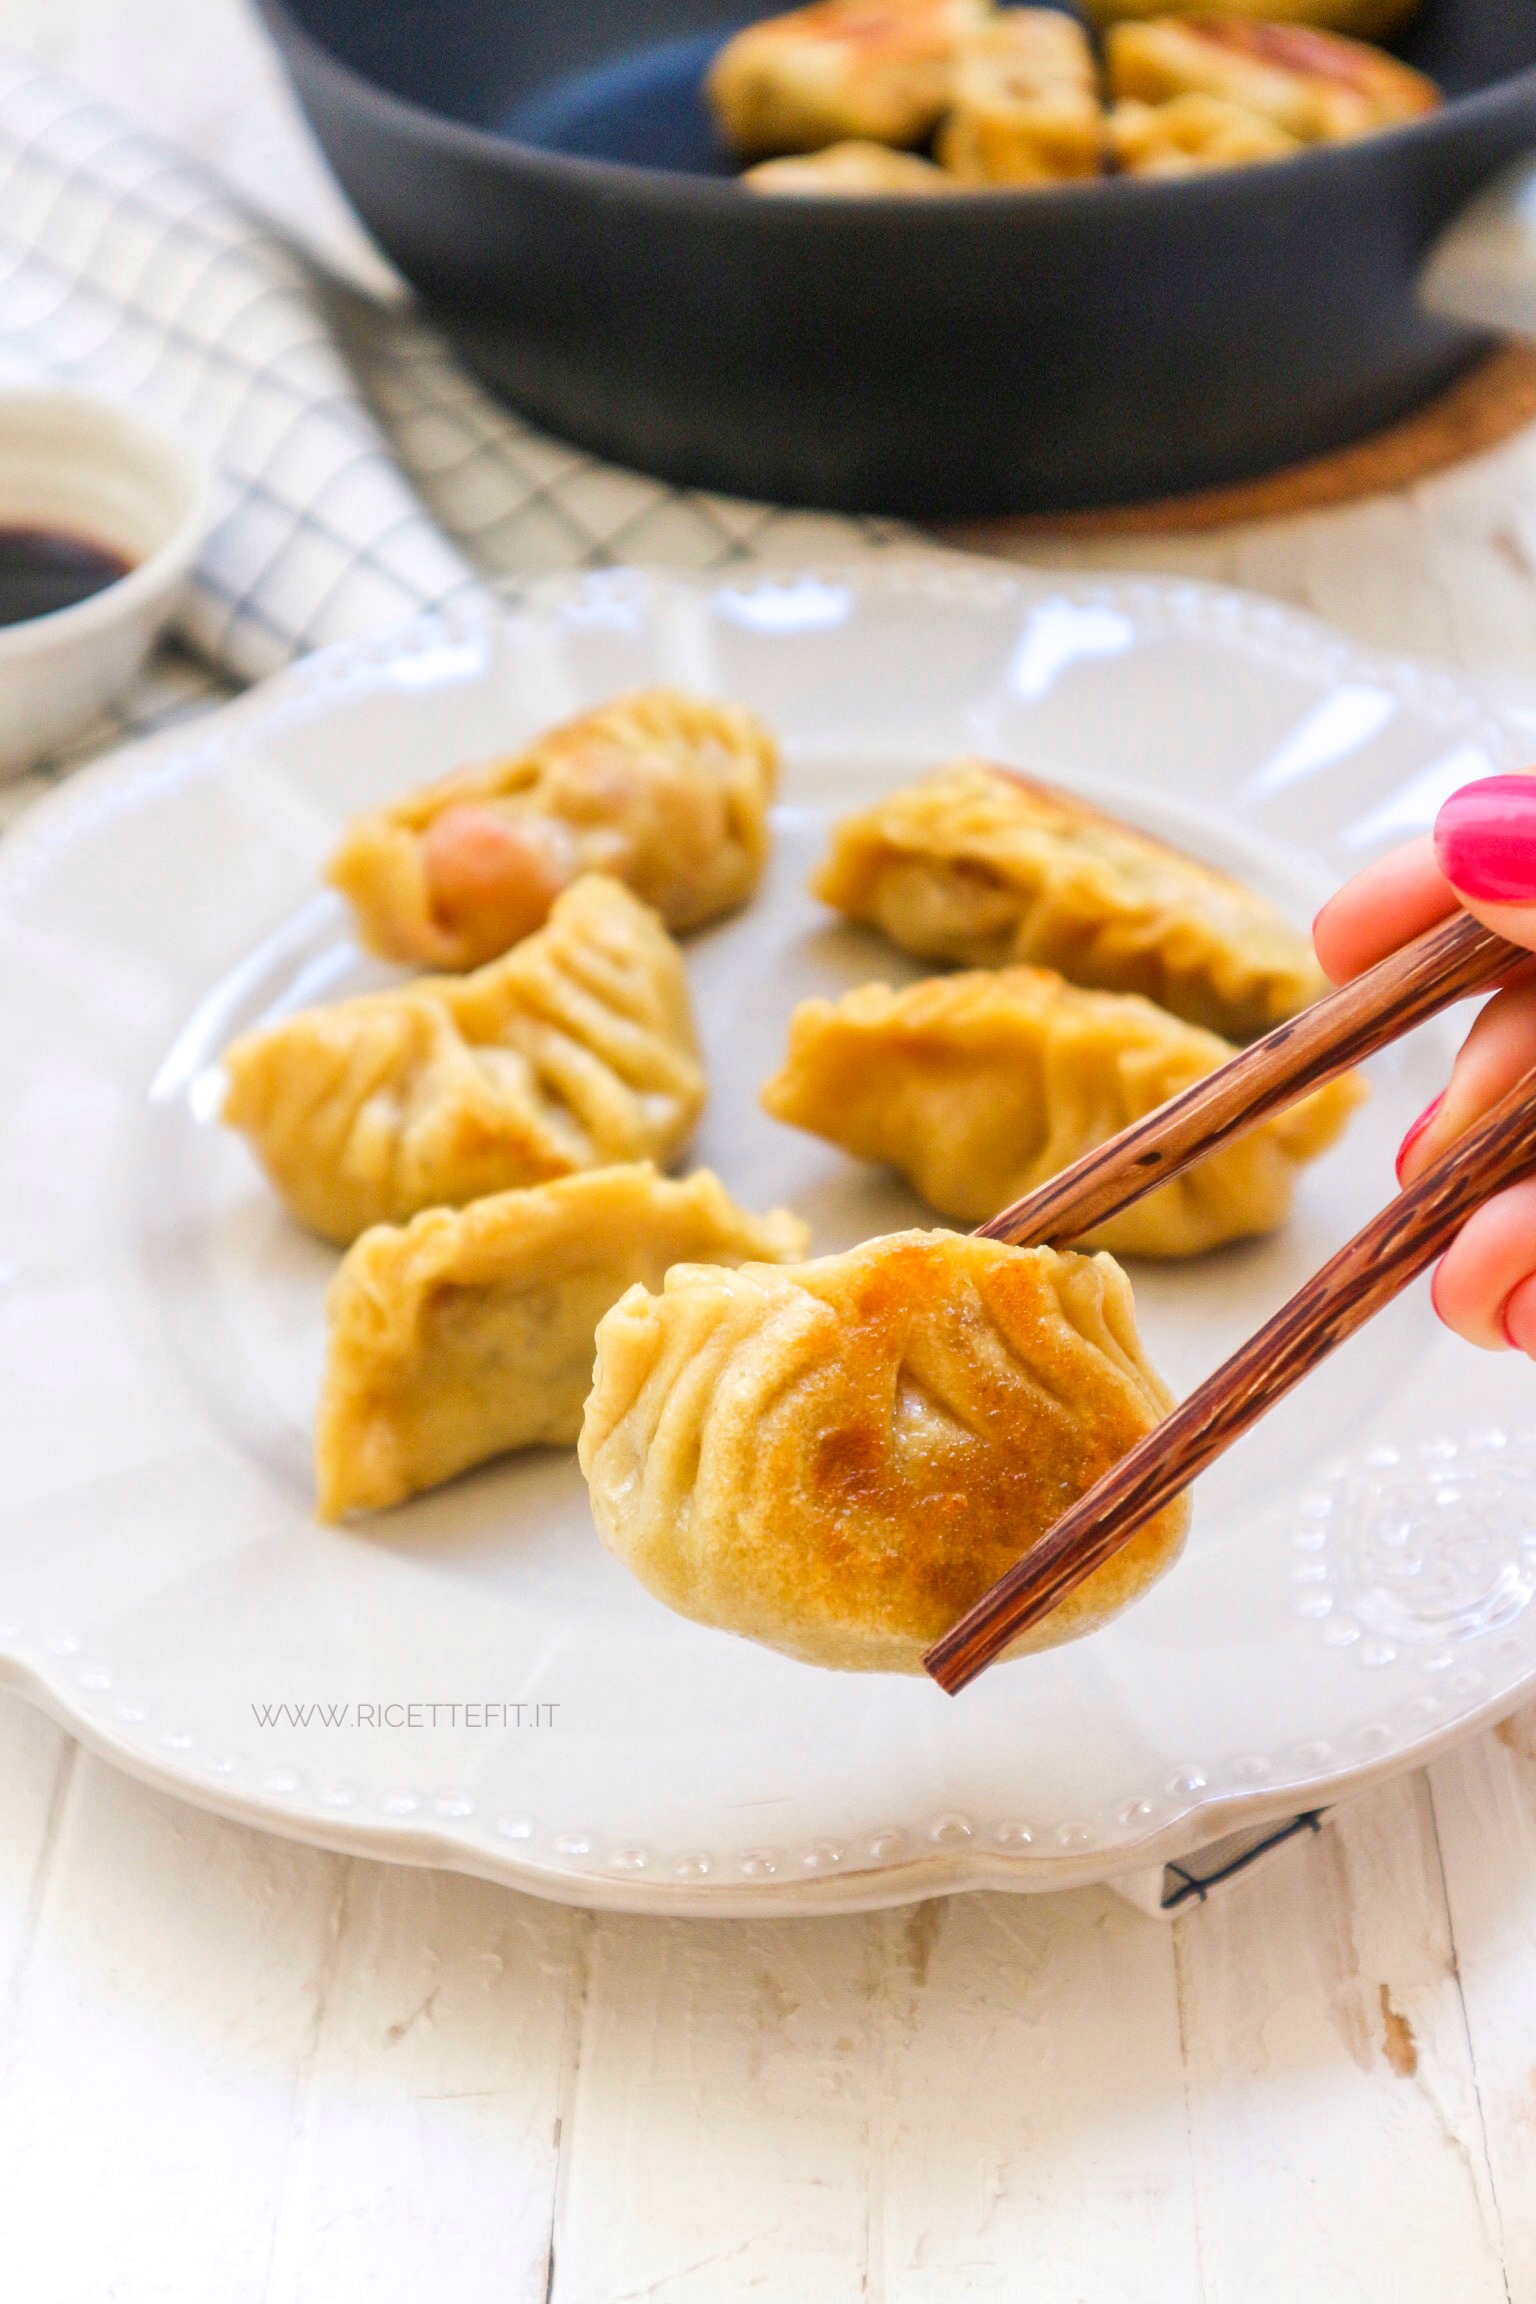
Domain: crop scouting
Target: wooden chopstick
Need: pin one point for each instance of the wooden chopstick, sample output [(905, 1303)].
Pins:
[(1446, 964), (1380, 1261)]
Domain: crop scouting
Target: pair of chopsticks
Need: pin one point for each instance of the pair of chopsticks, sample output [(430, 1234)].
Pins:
[(1444, 965)]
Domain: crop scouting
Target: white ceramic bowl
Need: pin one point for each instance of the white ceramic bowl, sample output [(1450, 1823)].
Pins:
[(69, 460)]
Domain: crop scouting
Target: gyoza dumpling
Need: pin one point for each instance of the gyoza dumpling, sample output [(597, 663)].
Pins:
[(839, 1458), (470, 1331), (1317, 87), (1189, 134), (668, 793), (574, 1050), (983, 866), (980, 1086), (1024, 107), (875, 70), (1361, 19), (853, 170)]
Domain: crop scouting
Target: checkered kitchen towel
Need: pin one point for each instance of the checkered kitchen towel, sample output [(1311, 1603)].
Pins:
[(363, 474)]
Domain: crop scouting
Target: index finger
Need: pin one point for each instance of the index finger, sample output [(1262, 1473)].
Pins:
[(1386, 905)]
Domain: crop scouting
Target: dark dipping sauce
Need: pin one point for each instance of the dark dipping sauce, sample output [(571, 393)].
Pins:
[(44, 569)]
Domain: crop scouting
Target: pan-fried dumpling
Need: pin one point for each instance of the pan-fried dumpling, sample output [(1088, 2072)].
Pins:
[(876, 70), (838, 1458), (574, 1050), (666, 792), (980, 1086), (983, 866), (1360, 19), (1319, 88), (853, 170), (469, 1331), (1024, 107), (1190, 134)]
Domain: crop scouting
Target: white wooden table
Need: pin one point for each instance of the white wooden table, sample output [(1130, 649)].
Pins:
[(237, 2070)]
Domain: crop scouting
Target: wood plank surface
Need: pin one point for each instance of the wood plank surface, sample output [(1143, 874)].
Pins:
[(233, 2070), (162, 2013), (1484, 1800), (36, 1763), (1338, 2135), (424, 2138), (719, 2122), (1033, 2112)]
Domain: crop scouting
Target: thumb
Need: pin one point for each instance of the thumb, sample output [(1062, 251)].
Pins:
[(1485, 844)]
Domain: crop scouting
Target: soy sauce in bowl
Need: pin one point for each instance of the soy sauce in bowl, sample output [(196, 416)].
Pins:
[(45, 569)]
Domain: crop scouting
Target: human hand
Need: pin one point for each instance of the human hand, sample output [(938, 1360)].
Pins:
[(1481, 856)]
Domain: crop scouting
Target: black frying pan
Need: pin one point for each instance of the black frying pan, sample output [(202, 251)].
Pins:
[(542, 171)]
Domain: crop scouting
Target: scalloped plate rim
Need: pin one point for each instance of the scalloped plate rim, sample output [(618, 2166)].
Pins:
[(866, 1885)]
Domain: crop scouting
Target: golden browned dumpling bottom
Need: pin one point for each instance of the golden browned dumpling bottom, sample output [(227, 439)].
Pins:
[(1190, 134), (575, 1050), (979, 865), (1359, 19), (1024, 103), (980, 1086), (666, 792), (838, 1458), (1312, 85), (470, 1331), (873, 70)]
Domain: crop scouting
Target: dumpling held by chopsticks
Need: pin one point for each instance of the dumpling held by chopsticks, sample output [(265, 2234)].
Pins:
[(838, 1458)]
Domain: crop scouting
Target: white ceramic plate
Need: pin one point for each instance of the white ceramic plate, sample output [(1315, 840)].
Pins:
[(1357, 1587)]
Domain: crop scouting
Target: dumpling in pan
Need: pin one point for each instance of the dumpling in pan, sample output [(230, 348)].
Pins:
[(668, 793), (1025, 103), (575, 1050), (1360, 19), (1190, 134), (983, 866), (1317, 87), (469, 1331), (839, 1458), (856, 171), (980, 1086), (876, 70)]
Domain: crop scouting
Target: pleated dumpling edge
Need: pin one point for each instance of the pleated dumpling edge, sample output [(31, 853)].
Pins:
[(836, 1459), (982, 866), (981, 1085), (575, 1050)]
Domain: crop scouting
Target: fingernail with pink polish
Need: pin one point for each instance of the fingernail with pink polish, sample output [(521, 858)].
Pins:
[(1416, 1131), (1485, 840)]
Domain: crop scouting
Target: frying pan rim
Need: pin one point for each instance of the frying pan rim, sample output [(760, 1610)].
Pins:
[(671, 188)]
